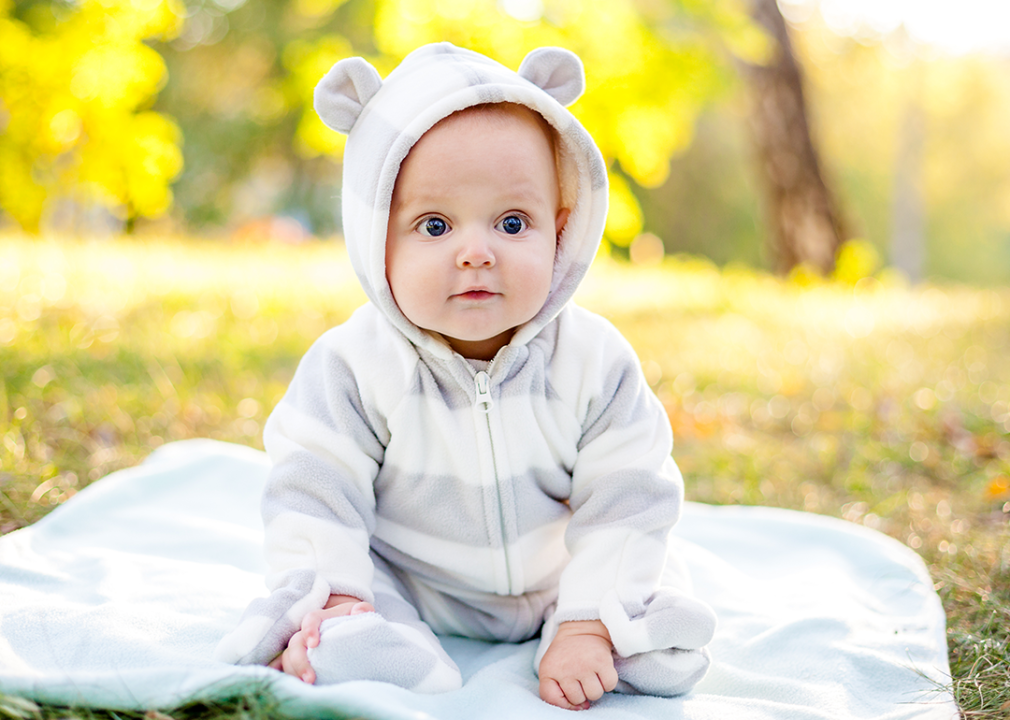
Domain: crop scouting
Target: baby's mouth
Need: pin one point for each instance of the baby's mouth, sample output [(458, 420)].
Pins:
[(475, 295)]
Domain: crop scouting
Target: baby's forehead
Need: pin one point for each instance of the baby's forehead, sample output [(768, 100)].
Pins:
[(483, 130), (498, 116)]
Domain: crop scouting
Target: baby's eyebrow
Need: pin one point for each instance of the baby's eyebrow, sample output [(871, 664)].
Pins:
[(527, 193)]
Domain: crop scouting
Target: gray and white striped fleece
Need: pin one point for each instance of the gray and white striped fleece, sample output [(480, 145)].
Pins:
[(492, 492)]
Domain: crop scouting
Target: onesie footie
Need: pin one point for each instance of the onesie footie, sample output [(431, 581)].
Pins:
[(664, 673), (367, 647), (668, 619), (268, 623)]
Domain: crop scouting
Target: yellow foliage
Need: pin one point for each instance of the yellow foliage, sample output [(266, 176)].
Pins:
[(306, 64), (317, 8), (856, 259), (747, 41), (70, 91), (805, 276), (624, 216), (646, 82)]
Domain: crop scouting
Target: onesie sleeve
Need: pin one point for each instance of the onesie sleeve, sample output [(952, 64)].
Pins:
[(319, 503), (627, 494), (326, 444)]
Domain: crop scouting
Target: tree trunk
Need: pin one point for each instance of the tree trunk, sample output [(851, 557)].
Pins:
[(803, 222)]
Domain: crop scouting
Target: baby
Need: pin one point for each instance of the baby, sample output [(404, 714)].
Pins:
[(471, 454)]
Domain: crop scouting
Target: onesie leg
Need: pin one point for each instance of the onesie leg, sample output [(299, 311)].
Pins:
[(390, 645)]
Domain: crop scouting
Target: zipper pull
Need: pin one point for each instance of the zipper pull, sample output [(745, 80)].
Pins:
[(482, 381)]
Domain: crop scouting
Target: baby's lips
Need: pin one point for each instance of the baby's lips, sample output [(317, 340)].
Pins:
[(476, 293)]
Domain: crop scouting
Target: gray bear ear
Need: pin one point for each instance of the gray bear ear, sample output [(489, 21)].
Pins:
[(556, 71), (344, 91)]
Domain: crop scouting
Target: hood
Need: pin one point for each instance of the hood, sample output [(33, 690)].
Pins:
[(384, 118)]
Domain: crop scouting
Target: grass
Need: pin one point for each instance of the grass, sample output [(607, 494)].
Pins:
[(885, 405), (250, 707)]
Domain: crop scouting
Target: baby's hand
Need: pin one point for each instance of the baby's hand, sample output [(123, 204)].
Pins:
[(295, 659), (578, 667)]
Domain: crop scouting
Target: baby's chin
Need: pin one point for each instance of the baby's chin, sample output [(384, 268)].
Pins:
[(476, 347)]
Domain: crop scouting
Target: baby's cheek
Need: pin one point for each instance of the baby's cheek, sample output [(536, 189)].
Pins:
[(537, 277)]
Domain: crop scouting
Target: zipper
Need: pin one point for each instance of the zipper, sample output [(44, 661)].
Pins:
[(482, 384)]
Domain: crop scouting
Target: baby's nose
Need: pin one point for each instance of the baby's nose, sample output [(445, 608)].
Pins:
[(475, 251)]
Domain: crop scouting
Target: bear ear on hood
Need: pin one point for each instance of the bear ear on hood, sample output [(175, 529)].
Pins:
[(344, 91), (556, 71)]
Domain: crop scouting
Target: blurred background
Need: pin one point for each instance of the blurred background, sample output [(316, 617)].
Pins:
[(824, 136)]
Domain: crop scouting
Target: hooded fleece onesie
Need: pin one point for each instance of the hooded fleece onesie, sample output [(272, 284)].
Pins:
[(488, 500)]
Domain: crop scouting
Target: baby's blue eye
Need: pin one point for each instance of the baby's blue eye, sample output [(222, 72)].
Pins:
[(513, 225), (433, 227)]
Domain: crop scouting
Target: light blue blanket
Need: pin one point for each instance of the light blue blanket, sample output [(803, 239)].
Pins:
[(117, 599)]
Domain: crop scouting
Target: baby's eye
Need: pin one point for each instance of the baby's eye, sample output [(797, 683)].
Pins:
[(433, 227), (513, 225)]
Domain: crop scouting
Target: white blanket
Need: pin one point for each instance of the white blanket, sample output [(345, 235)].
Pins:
[(117, 599)]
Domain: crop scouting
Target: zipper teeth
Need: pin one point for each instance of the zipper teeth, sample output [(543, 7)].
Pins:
[(497, 481), (501, 508)]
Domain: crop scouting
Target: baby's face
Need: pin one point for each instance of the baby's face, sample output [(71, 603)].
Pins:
[(473, 229)]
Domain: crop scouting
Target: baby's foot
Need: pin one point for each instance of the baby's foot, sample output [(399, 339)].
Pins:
[(661, 672), (368, 647), (679, 621), (670, 619)]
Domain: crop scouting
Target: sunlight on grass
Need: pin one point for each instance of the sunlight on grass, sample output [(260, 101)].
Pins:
[(110, 349), (884, 405)]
